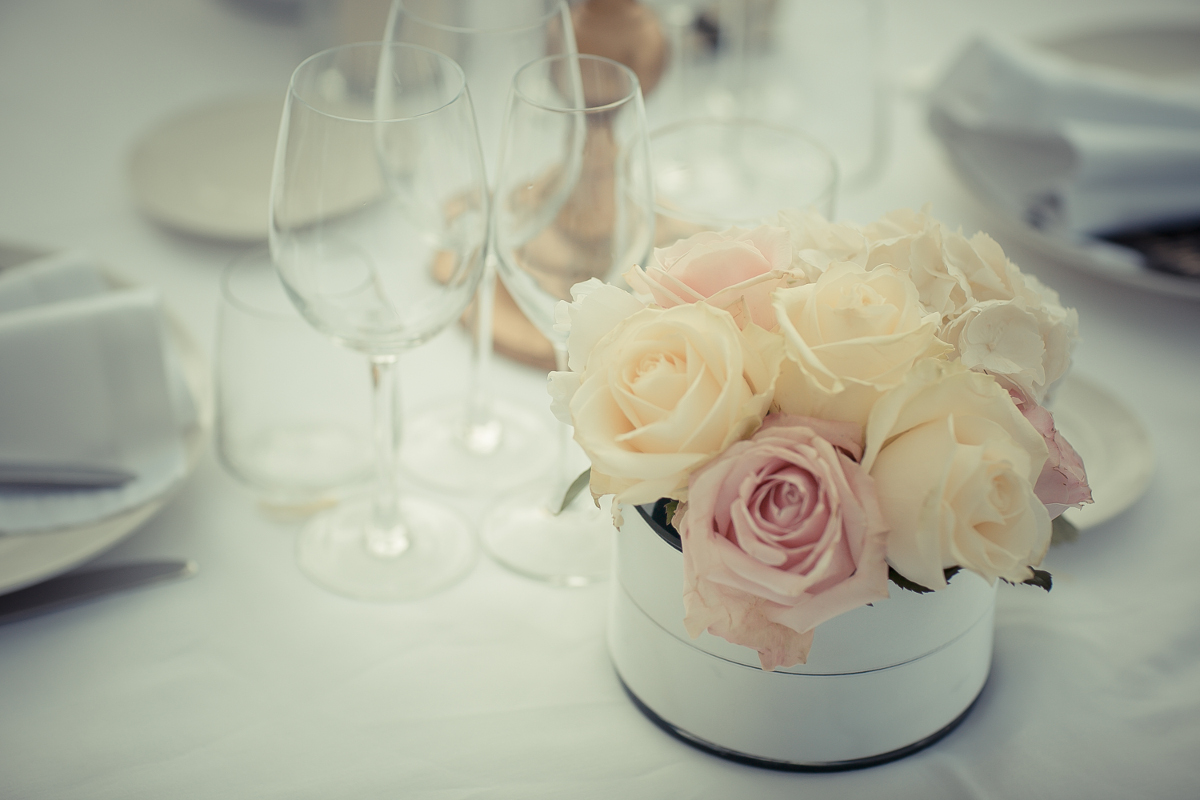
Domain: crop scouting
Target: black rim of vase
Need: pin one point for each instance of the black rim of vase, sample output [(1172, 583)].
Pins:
[(789, 766)]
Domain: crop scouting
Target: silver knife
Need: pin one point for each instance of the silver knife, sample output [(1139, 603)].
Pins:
[(79, 587), (62, 474)]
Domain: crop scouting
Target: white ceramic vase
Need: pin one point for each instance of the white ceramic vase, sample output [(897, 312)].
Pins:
[(881, 682)]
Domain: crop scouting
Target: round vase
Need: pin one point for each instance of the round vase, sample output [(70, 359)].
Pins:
[(881, 682)]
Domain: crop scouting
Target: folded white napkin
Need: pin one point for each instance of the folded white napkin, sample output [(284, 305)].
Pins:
[(85, 377), (1070, 148), (62, 276)]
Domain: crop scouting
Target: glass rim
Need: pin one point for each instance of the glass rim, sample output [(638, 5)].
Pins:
[(827, 193), (380, 46), (635, 86), (555, 8), (748, 122), (255, 256)]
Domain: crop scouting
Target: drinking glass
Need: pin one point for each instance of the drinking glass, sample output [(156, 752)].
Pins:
[(293, 415), (572, 201), (378, 168), (483, 443), (712, 174), (811, 64)]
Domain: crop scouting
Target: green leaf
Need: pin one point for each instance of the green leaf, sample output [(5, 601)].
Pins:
[(1062, 531), (669, 512), (663, 514), (574, 489)]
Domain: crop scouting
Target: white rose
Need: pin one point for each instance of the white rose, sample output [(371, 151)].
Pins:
[(663, 392), (817, 242), (595, 309), (955, 464), (951, 271), (989, 273), (850, 336), (913, 242)]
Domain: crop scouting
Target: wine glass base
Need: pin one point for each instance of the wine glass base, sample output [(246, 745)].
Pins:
[(573, 548), (438, 453), (332, 551)]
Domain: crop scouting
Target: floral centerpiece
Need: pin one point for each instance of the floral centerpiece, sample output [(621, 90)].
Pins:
[(824, 411)]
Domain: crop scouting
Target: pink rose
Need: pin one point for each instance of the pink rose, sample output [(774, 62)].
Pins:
[(735, 270), (1062, 483), (782, 532)]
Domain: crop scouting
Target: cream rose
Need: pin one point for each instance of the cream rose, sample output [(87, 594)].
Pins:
[(818, 242), (782, 532), (662, 392), (955, 464), (595, 309), (735, 270), (951, 271), (914, 243), (850, 337)]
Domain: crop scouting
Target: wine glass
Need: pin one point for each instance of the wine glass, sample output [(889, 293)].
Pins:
[(572, 201), (483, 442), (812, 64), (378, 167)]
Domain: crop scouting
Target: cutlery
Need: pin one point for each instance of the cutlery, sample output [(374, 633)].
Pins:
[(78, 587), (62, 474)]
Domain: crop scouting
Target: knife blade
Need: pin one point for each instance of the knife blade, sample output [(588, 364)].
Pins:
[(50, 474), (79, 587)]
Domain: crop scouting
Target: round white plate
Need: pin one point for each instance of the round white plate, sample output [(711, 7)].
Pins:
[(25, 560), (207, 170), (1104, 260), (1114, 446), (1163, 54)]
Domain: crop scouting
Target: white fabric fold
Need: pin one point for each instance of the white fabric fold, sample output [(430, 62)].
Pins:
[(62, 276), (84, 377), (1066, 147)]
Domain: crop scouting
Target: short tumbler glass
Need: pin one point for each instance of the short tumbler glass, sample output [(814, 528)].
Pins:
[(711, 174), (293, 412)]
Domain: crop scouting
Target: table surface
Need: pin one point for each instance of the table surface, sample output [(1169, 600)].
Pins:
[(249, 681)]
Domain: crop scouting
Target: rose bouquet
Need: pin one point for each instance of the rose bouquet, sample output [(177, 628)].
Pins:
[(820, 408)]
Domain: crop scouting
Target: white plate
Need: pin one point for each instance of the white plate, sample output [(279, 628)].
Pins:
[(1097, 258), (207, 170), (25, 560), (1114, 446), (1164, 54)]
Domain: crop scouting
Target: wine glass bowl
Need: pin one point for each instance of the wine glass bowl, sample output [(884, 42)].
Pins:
[(483, 443), (378, 173), (572, 193), (572, 201), (340, 238)]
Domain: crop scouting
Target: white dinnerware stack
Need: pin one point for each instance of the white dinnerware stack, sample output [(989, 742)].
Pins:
[(93, 403), (1068, 139)]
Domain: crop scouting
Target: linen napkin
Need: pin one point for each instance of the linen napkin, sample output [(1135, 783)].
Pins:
[(62, 276), (1070, 148), (85, 376)]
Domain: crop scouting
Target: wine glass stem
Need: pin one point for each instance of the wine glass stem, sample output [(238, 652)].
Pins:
[(386, 535), (482, 431)]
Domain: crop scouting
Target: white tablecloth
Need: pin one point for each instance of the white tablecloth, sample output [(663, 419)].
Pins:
[(249, 681)]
